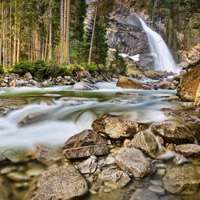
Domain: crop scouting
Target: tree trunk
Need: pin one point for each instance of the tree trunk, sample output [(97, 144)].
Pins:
[(50, 32), (92, 37), (68, 32)]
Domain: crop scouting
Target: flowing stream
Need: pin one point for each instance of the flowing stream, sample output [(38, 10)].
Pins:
[(163, 59), (52, 115), (31, 118)]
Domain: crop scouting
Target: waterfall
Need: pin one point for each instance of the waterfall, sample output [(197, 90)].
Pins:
[(163, 59)]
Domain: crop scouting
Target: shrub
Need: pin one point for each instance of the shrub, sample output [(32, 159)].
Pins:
[(54, 70), (40, 68), (23, 67), (90, 67)]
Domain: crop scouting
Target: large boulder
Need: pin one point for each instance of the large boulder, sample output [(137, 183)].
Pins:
[(182, 179), (190, 84), (134, 71), (85, 144), (147, 142), (130, 83), (188, 149), (63, 182), (173, 132), (115, 127), (133, 161)]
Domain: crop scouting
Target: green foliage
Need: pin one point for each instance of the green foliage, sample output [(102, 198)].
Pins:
[(90, 67), (118, 65), (23, 67), (40, 69), (101, 47)]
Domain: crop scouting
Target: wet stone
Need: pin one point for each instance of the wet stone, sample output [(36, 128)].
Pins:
[(173, 132), (18, 177), (145, 141), (188, 149), (115, 127), (157, 189), (144, 194), (114, 178), (63, 182), (182, 179), (133, 161), (88, 166), (85, 144)]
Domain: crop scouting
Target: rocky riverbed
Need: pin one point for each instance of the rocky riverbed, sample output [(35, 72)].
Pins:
[(117, 158)]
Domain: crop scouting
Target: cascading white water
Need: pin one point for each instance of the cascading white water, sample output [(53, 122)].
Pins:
[(163, 59)]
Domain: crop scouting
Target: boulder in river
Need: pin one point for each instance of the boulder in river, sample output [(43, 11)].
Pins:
[(145, 141), (182, 179), (173, 132), (129, 83), (133, 161), (85, 144), (188, 149), (114, 178), (115, 127), (63, 182)]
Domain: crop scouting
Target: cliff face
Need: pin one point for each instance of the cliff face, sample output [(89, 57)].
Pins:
[(178, 21)]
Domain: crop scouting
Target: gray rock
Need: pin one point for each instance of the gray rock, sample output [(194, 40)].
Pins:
[(85, 144), (180, 159), (133, 161), (88, 166), (168, 155), (28, 76), (147, 142), (63, 182), (83, 86), (182, 179), (114, 178), (144, 194), (157, 189)]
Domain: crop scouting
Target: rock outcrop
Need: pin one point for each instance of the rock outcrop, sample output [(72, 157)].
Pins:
[(190, 84)]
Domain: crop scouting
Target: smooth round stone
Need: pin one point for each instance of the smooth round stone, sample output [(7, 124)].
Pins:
[(157, 189), (161, 172), (8, 169), (156, 182), (18, 177)]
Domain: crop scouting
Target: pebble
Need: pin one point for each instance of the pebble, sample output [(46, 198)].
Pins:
[(17, 176), (157, 189), (156, 182), (8, 169)]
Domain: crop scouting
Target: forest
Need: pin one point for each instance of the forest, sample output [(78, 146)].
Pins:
[(52, 31)]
